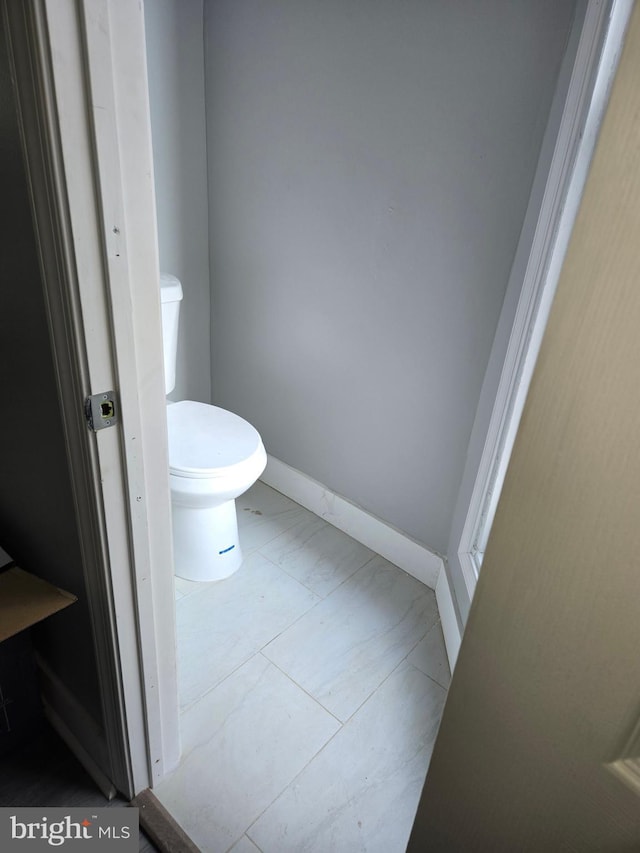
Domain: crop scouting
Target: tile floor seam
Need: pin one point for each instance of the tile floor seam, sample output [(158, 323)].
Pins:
[(247, 831), (182, 594), (403, 615), (431, 678), (437, 683), (286, 627), (302, 769), (186, 708), (290, 783), (424, 594), (369, 696), (235, 670), (375, 689), (373, 556), (261, 651), (281, 789), (414, 647), (229, 849), (310, 557), (300, 687), (246, 553), (325, 524), (268, 541), (404, 661), (334, 590), (300, 616), (315, 591), (366, 698), (289, 575), (437, 624)]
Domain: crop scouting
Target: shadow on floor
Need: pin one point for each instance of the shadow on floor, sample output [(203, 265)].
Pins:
[(46, 773)]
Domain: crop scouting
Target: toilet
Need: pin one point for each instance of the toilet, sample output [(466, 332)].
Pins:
[(214, 457)]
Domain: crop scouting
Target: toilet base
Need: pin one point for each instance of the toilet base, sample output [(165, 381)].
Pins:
[(205, 542)]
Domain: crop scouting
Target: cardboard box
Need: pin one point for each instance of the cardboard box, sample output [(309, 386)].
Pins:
[(26, 599)]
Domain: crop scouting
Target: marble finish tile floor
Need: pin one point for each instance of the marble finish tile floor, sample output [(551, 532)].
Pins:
[(312, 683)]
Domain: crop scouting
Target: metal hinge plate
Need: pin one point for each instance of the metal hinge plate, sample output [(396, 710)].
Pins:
[(101, 410)]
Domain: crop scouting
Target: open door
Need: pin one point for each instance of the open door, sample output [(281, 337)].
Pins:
[(80, 90), (582, 93), (538, 744)]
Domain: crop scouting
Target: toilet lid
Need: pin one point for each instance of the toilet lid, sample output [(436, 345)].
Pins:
[(204, 439)]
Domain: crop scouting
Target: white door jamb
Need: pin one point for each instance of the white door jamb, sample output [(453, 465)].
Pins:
[(597, 57), (81, 86)]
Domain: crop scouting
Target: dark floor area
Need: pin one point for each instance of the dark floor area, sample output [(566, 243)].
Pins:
[(46, 773)]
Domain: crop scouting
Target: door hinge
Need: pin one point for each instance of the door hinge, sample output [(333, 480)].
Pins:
[(101, 410)]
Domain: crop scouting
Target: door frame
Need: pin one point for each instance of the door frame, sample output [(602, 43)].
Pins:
[(81, 80), (81, 91), (552, 209)]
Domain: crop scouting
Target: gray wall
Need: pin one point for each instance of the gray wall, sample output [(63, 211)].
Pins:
[(369, 170), (175, 58), (37, 513)]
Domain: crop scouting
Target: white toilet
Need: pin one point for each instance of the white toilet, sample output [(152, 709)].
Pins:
[(214, 456)]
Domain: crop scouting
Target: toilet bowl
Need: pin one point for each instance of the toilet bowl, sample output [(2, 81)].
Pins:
[(214, 457)]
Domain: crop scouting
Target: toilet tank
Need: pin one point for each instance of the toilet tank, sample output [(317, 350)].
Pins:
[(170, 296)]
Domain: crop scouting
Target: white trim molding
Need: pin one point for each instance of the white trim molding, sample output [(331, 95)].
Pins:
[(31, 48), (113, 39), (448, 619), (412, 557), (392, 544), (596, 60), (82, 95)]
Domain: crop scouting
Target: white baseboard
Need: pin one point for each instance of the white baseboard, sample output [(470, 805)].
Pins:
[(388, 541), (448, 618)]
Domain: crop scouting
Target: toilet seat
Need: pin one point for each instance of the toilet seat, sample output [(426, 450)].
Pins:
[(207, 442)]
